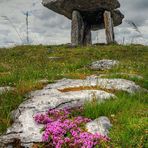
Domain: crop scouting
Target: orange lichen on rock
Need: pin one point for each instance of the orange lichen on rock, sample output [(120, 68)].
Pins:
[(86, 88)]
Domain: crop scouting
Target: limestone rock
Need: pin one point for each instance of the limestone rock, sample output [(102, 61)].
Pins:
[(93, 81), (24, 127), (99, 126), (103, 64), (77, 28), (82, 5), (109, 27), (26, 131), (92, 11), (6, 89)]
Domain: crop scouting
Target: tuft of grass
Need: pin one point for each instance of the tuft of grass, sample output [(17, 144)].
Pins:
[(9, 101), (128, 114)]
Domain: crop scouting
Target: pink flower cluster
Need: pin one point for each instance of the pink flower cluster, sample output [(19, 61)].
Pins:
[(63, 130)]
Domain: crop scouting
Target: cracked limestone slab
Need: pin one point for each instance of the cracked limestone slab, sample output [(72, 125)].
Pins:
[(92, 81), (51, 97), (24, 127)]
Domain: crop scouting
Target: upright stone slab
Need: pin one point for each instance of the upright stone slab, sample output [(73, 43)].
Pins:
[(109, 27), (87, 35), (77, 31)]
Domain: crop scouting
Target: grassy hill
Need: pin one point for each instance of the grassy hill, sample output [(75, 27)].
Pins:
[(23, 67)]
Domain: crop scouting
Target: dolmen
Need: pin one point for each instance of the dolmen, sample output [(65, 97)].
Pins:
[(87, 16)]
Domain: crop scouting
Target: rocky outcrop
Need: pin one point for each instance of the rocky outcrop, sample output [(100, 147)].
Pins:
[(92, 11), (96, 82), (104, 64), (99, 126), (63, 93), (86, 15)]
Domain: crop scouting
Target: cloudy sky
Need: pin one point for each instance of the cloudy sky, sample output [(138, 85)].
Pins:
[(47, 27)]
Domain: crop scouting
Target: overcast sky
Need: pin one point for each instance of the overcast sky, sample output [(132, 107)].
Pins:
[(47, 27)]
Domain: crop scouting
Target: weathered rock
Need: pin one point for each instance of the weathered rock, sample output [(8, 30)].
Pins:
[(66, 7), (109, 27), (81, 30), (94, 81), (87, 15), (103, 64), (24, 127), (54, 96), (6, 89), (77, 30), (87, 34), (92, 11), (99, 126)]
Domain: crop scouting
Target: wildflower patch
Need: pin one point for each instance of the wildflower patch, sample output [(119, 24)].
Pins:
[(63, 129)]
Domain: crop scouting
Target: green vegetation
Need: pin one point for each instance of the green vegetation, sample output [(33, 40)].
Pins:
[(22, 67), (128, 114)]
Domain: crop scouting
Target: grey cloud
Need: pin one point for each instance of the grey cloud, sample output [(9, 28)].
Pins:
[(4, 32)]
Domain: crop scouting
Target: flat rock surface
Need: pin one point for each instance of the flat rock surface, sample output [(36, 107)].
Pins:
[(94, 81), (63, 93), (104, 64)]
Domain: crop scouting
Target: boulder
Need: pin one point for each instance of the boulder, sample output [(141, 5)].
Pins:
[(104, 64), (99, 126), (91, 11), (88, 15)]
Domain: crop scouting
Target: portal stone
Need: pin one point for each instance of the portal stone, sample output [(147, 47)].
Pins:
[(87, 35), (77, 29), (87, 15), (109, 27)]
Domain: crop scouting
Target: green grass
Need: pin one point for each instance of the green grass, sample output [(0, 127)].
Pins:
[(22, 66), (128, 114)]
